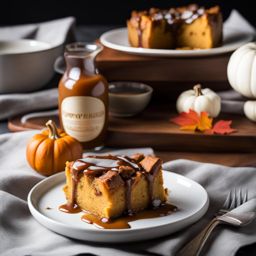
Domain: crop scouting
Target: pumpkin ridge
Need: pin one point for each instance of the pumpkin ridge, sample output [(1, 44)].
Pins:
[(57, 148), (237, 56), (53, 150), (253, 81), (250, 72), (241, 86), (35, 149), (46, 154)]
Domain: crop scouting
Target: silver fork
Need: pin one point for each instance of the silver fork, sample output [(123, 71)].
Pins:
[(195, 246), (234, 199)]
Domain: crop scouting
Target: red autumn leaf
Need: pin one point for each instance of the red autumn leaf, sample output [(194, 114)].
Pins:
[(192, 121), (184, 119), (222, 127)]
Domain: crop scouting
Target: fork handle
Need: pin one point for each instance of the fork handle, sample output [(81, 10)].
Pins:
[(194, 247)]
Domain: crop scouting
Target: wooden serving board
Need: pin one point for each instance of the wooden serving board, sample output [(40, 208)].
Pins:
[(167, 75), (153, 128)]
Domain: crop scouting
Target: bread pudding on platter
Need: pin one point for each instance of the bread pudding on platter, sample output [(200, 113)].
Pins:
[(187, 27)]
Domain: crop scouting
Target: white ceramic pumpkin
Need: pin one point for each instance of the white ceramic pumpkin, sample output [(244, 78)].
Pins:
[(242, 70), (250, 110), (199, 100)]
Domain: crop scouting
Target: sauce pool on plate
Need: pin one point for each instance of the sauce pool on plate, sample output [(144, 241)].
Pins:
[(123, 221)]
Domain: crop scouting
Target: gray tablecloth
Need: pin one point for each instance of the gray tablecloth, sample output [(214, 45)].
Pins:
[(20, 234)]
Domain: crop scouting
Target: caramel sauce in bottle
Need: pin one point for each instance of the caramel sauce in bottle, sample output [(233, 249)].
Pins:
[(83, 96)]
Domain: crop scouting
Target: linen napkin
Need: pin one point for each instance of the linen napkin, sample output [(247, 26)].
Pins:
[(232, 102), (55, 32), (21, 234), (14, 104)]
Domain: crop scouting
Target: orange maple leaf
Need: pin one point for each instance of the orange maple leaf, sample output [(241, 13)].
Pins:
[(205, 122), (222, 127), (191, 121)]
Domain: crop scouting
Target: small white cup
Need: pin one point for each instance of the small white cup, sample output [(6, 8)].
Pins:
[(128, 98)]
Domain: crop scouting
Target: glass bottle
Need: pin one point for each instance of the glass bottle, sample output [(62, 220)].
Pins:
[(83, 96)]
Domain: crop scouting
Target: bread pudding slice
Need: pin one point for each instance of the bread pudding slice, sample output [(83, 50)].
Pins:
[(111, 186), (189, 27)]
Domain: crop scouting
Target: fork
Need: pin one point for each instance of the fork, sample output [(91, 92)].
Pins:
[(234, 199)]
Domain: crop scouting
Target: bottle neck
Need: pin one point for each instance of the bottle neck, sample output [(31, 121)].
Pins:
[(85, 64), (82, 56)]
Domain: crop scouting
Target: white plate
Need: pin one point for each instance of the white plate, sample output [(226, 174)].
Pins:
[(117, 39), (190, 198)]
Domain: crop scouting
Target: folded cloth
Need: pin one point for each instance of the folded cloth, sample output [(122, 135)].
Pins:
[(14, 104), (237, 21), (21, 234), (232, 102), (55, 32)]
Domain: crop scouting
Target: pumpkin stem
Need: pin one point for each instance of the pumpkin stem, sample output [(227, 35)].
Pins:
[(53, 131), (198, 90)]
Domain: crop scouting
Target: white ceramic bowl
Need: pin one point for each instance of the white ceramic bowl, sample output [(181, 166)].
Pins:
[(128, 98), (26, 65)]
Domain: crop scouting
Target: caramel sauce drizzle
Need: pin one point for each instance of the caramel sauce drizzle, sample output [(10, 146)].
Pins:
[(177, 15), (96, 166), (128, 184), (174, 18), (123, 221), (139, 31), (69, 209)]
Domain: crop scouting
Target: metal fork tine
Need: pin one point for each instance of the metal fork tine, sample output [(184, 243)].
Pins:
[(227, 203), (234, 199), (240, 200), (237, 197), (245, 198)]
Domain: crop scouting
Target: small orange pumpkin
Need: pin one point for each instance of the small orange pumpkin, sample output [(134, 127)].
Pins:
[(48, 151)]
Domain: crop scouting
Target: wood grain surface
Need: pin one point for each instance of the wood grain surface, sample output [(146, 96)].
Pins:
[(118, 65), (153, 128)]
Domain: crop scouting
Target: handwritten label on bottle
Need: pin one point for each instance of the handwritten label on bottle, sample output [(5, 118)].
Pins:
[(83, 117)]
